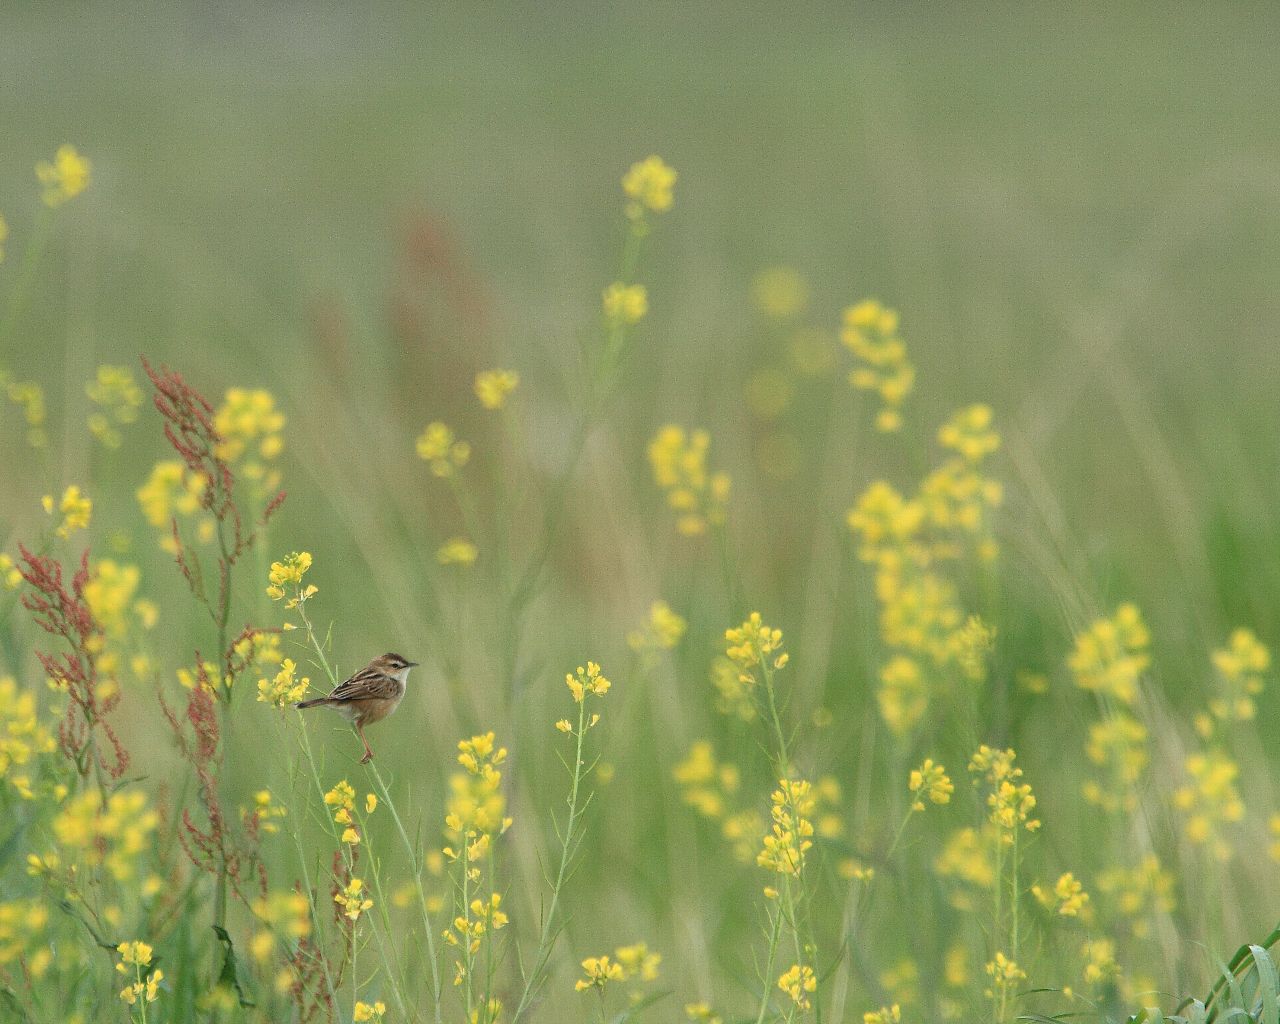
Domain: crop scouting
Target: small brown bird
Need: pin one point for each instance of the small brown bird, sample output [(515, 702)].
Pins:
[(368, 696)]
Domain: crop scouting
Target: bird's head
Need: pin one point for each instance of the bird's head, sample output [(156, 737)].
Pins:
[(393, 665)]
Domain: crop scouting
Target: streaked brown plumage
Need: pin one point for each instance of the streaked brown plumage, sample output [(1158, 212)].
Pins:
[(368, 696)]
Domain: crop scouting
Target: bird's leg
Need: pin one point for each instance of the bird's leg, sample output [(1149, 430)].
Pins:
[(368, 754)]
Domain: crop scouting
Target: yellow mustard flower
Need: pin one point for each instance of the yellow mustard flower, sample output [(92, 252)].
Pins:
[(799, 982), (352, 899), (585, 681), (457, 551), (649, 184), (929, 780), (439, 448), (903, 697), (870, 332), (697, 495), (789, 840), (1112, 654), (251, 429), (637, 961), (493, 386), (369, 1011), (598, 971), (661, 632), (284, 690), (63, 178), (1067, 898), (118, 399), (76, 510), (625, 303), (1210, 800), (23, 735)]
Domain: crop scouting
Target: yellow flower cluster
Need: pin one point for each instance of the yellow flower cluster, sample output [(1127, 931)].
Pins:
[(884, 1015), (967, 859), (929, 780), (1099, 957), (1009, 801), (711, 788), (705, 784), (439, 448), (679, 463), (1134, 895), (22, 926), (286, 914), (9, 572), (972, 645), (649, 184), (363, 1012), (790, 838), (1067, 898), (457, 551), (1210, 800), (252, 434), (598, 971), (661, 632), (266, 811), (637, 961), (476, 807), (63, 178), (352, 899), (733, 695), (903, 696), (1241, 666), (110, 595), (75, 508), (173, 492), (481, 917), (118, 398), (971, 433), (493, 386), (1003, 973), (870, 332), (1111, 655), (909, 541), (205, 675), (584, 681), (343, 799), (754, 645), (1117, 745), (22, 736), (702, 1013), (286, 578), (283, 690), (799, 983), (29, 396), (625, 303), (111, 834), (134, 958)]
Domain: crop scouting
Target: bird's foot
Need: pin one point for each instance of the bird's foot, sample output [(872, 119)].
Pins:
[(368, 756)]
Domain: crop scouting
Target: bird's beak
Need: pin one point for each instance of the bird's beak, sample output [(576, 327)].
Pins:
[(411, 664)]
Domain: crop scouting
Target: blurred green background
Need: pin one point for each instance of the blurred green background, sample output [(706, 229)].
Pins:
[(1075, 207)]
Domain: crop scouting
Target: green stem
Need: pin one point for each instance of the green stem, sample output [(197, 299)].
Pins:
[(416, 866), (769, 966), (547, 937)]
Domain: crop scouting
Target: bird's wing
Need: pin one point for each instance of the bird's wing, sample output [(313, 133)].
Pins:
[(365, 685)]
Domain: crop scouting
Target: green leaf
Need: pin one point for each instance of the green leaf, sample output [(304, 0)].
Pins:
[(228, 977)]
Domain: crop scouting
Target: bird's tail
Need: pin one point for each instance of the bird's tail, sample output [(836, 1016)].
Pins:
[(302, 704)]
